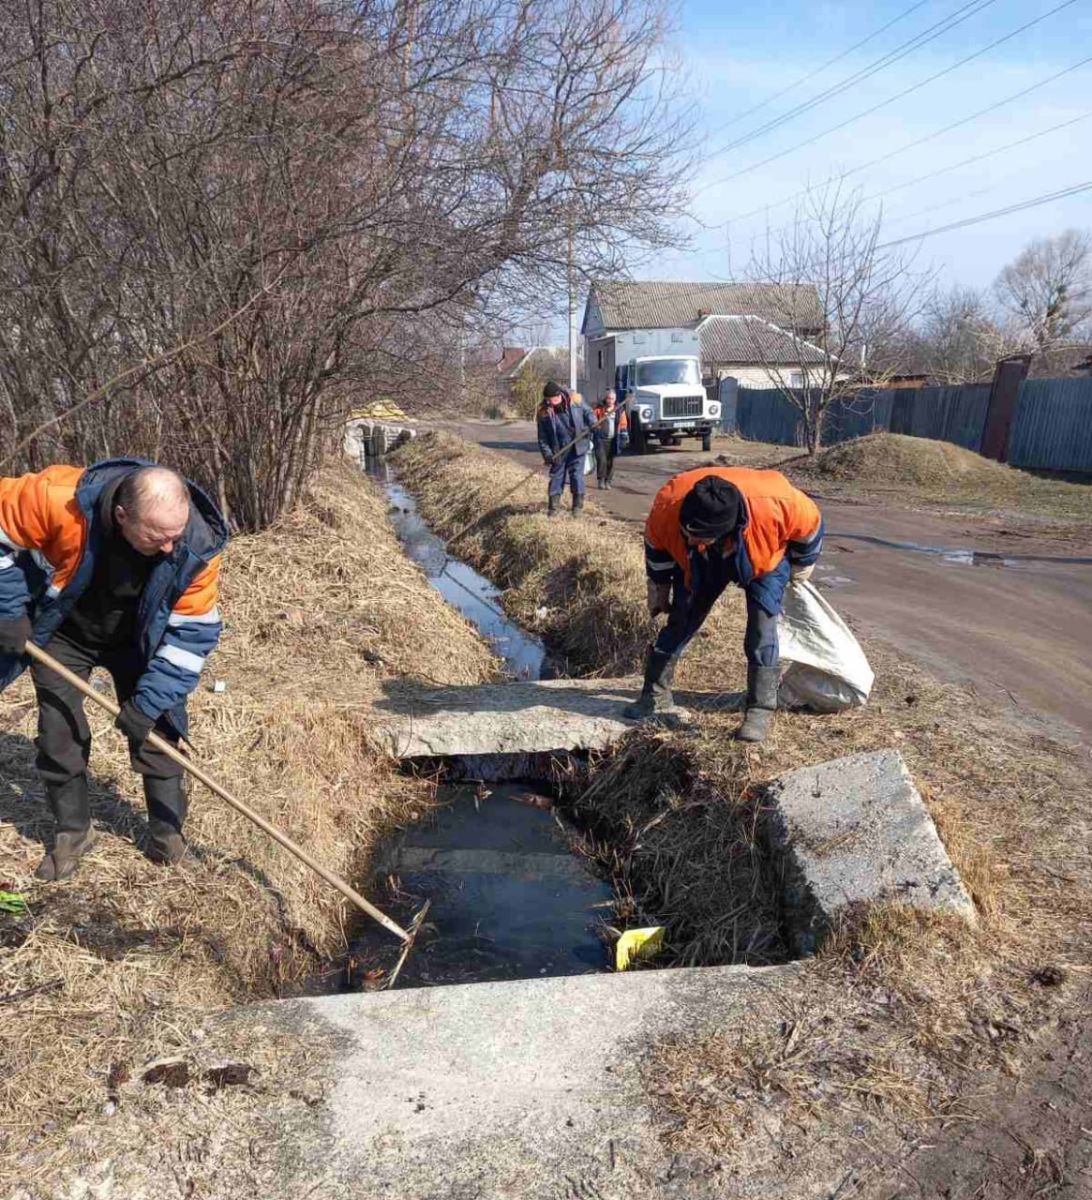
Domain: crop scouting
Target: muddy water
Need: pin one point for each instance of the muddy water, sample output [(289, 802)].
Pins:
[(509, 898)]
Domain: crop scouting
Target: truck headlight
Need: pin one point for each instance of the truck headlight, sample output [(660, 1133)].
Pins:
[(714, 410), (645, 412)]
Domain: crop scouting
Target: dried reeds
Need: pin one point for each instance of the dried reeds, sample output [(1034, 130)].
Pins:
[(321, 610)]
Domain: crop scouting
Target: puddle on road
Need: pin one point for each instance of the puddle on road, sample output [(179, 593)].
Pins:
[(966, 558), (510, 898)]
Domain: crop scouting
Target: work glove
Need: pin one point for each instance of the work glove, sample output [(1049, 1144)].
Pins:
[(659, 598), (14, 635), (133, 723), (801, 574)]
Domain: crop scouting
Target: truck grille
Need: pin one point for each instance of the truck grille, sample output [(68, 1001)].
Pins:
[(682, 406)]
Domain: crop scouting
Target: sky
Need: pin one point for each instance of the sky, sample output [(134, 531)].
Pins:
[(734, 56)]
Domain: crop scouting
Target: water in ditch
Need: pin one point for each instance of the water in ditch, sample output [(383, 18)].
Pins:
[(463, 588), (510, 896)]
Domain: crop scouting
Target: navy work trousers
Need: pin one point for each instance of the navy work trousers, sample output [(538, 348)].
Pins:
[(688, 613), (569, 469)]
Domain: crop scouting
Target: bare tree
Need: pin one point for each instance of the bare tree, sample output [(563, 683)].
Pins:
[(844, 305), (252, 214), (958, 338), (1048, 288)]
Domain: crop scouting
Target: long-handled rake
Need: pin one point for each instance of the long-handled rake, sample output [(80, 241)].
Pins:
[(165, 747)]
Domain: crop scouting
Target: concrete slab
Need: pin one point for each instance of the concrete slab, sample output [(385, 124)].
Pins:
[(855, 830), (505, 718), (527, 1089)]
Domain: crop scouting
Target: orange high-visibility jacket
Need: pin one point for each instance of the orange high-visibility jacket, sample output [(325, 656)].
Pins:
[(48, 541), (780, 519)]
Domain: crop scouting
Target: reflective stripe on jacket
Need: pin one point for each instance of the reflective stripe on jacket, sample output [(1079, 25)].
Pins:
[(49, 537), (779, 522)]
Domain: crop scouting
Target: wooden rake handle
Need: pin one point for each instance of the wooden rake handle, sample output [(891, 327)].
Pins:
[(165, 747)]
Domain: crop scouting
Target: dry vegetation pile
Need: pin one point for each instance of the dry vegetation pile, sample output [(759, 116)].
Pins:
[(941, 473), (899, 1012), (322, 612)]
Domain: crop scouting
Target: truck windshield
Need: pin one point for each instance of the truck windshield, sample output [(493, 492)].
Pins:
[(668, 370)]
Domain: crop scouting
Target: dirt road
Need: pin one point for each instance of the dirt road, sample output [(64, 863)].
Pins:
[(1015, 631)]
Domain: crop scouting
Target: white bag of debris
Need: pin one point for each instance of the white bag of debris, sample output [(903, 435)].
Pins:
[(827, 669)]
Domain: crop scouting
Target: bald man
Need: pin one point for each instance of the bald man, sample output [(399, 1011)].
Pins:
[(116, 566)]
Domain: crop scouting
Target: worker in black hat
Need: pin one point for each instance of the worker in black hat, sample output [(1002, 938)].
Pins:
[(564, 437), (708, 528)]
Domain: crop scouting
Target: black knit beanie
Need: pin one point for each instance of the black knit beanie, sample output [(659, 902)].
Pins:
[(551, 389), (711, 509)]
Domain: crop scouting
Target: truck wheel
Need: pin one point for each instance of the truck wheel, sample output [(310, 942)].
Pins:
[(707, 441), (638, 439)]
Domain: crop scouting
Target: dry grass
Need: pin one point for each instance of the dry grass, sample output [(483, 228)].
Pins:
[(899, 1014), (933, 472), (321, 612)]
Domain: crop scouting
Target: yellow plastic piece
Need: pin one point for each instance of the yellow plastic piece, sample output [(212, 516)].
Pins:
[(637, 943)]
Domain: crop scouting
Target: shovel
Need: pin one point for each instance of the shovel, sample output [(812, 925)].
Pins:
[(165, 747)]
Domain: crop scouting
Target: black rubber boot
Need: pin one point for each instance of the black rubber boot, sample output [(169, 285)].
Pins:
[(578, 504), (71, 809), (552, 506), (761, 702), (655, 698), (167, 802)]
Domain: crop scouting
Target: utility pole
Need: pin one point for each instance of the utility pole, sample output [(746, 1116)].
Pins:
[(572, 312)]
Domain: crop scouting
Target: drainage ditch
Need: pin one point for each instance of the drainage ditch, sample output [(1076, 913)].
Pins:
[(536, 877)]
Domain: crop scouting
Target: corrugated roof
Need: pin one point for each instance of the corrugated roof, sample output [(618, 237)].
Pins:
[(642, 304), (511, 357), (750, 340)]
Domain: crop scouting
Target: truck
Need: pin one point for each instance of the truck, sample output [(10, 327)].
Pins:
[(656, 375)]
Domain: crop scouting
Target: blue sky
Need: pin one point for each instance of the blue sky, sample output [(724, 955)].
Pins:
[(733, 56)]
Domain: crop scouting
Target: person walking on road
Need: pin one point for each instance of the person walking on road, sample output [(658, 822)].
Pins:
[(563, 421), (610, 424), (115, 566), (710, 527)]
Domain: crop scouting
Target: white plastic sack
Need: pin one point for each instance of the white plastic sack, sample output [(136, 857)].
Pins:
[(827, 670), (589, 461)]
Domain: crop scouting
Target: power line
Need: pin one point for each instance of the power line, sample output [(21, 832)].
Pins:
[(970, 9), (818, 70), (1063, 194), (975, 158), (891, 100), (921, 141)]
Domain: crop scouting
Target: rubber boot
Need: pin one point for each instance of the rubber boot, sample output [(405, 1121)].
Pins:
[(655, 698), (552, 506), (578, 503), (167, 802), (761, 702), (73, 838)]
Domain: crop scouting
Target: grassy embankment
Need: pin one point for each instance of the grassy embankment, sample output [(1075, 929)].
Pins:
[(902, 1017), (322, 612)]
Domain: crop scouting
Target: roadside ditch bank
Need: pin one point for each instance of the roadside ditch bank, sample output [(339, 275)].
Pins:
[(946, 1005), (321, 612)]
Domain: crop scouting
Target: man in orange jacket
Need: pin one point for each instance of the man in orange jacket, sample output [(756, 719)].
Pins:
[(708, 528), (116, 566)]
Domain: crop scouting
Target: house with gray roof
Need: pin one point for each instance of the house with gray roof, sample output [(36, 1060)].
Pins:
[(615, 305), (757, 353), (764, 335)]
